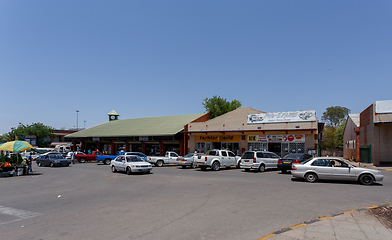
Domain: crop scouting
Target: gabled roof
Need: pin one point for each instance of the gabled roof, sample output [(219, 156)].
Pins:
[(153, 126), (355, 118)]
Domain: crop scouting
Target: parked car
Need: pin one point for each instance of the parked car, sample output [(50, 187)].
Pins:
[(130, 164), (284, 164), (169, 158), (215, 159), (258, 160), (52, 160), (188, 160), (334, 169), (69, 154), (141, 155)]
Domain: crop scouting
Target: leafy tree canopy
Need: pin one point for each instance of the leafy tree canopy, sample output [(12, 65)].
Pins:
[(39, 130), (333, 116), (218, 106)]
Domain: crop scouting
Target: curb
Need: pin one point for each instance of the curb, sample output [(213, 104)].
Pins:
[(319, 219)]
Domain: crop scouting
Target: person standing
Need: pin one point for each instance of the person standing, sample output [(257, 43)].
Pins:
[(29, 160)]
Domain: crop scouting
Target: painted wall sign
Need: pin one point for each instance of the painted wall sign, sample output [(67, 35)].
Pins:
[(277, 138), (141, 139), (277, 117), (224, 138)]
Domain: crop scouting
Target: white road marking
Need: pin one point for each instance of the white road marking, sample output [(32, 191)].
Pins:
[(20, 214)]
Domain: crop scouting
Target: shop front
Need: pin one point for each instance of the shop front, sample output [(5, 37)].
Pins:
[(279, 144), (248, 129), (207, 142)]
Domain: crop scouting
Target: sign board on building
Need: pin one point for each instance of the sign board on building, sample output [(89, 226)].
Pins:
[(143, 139), (222, 138), (384, 106), (31, 139), (278, 117), (96, 139), (277, 138)]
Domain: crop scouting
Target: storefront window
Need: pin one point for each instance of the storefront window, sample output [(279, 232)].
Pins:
[(152, 149)]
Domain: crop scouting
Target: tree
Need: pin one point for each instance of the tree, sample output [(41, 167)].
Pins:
[(333, 116), (218, 106), (39, 130)]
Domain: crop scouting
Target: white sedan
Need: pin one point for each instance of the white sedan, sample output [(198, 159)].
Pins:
[(130, 164), (334, 169)]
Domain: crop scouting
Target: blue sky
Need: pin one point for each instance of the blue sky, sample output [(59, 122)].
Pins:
[(161, 58)]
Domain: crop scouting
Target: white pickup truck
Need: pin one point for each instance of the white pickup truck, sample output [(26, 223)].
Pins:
[(214, 159), (170, 157)]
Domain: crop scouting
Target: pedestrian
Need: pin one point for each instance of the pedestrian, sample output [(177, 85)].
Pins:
[(29, 160), (72, 157)]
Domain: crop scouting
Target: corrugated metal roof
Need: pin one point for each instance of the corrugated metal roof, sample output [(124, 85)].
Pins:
[(355, 118), (153, 126)]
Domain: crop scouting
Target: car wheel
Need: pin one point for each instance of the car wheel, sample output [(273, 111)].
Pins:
[(114, 169), (39, 164), (215, 166), (159, 163), (262, 168), (183, 166), (129, 171), (193, 165), (247, 169), (366, 179), (82, 160), (311, 177), (107, 161), (51, 164)]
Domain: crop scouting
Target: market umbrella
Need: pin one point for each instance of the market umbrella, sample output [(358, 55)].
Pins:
[(15, 146)]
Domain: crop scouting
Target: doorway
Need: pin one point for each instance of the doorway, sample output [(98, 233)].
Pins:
[(275, 148)]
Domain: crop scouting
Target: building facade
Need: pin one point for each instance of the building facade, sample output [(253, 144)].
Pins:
[(151, 136), (249, 129), (373, 135)]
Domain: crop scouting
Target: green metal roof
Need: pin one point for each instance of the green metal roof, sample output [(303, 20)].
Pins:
[(153, 126)]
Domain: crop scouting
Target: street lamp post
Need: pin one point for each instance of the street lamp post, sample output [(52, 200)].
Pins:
[(77, 120)]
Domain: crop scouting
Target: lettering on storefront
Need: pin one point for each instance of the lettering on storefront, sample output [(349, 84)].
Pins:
[(277, 138), (211, 138), (141, 139), (276, 117)]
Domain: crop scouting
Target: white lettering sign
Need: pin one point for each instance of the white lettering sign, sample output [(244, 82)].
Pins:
[(277, 117)]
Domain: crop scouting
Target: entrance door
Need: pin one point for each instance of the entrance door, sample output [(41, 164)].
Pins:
[(275, 148)]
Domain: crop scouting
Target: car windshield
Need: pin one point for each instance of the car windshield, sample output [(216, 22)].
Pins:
[(134, 159), (188, 155)]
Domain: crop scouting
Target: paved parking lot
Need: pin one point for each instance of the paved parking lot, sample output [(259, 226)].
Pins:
[(88, 201)]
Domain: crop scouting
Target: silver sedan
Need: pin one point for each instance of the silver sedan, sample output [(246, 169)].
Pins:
[(327, 168)]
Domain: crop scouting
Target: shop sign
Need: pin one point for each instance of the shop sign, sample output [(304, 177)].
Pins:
[(96, 139), (278, 117), (225, 138), (277, 138), (143, 139)]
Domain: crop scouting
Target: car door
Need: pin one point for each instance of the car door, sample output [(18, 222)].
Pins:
[(119, 163), (342, 171), (173, 157), (267, 158), (274, 160), (323, 168), (224, 158), (232, 159)]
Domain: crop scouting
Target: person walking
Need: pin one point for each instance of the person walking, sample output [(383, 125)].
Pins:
[(73, 157)]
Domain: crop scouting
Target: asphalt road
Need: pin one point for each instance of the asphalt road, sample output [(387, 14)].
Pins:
[(88, 201)]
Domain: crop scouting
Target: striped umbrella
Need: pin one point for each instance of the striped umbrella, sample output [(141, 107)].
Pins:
[(15, 146)]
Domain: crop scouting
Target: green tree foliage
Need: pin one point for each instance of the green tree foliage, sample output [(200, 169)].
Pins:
[(218, 106), (333, 116), (39, 130), (335, 119)]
